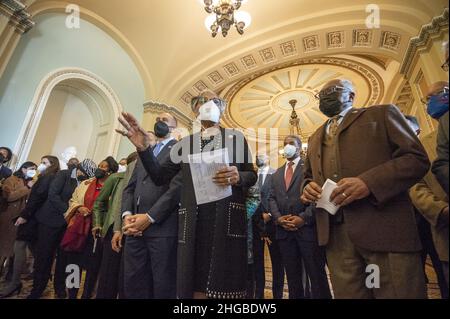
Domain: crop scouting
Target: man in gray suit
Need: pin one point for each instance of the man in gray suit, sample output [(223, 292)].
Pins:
[(150, 219), (264, 232)]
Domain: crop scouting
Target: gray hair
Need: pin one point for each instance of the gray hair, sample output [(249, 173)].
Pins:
[(348, 84)]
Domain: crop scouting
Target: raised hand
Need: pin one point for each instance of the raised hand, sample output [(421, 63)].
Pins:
[(134, 132)]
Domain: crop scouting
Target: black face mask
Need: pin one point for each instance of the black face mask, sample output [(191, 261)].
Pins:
[(161, 129), (99, 173), (2, 158), (71, 167), (331, 104), (259, 162)]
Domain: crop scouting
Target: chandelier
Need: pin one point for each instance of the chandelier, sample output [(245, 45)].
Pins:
[(295, 120), (225, 14)]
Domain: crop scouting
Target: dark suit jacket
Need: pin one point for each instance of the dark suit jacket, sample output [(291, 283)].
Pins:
[(57, 203), (141, 195), (284, 202), (440, 165), (38, 196), (377, 145), (263, 228)]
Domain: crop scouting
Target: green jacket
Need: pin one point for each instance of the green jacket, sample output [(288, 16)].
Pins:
[(108, 202)]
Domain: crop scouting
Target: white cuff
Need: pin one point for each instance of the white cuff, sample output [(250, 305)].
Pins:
[(151, 218), (127, 213)]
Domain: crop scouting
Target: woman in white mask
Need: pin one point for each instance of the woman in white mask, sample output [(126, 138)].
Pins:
[(26, 223), (212, 249)]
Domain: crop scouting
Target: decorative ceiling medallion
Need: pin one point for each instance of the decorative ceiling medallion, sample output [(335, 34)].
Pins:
[(311, 43), (268, 55), (231, 69), (336, 39), (265, 103), (390, 40), (288, 48), (249, 62), (200, 86), (362, 38), (215, 78), (186, 98), (371, 75)]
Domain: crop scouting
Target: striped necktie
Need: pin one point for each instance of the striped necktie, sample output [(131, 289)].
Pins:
[(334, 125)]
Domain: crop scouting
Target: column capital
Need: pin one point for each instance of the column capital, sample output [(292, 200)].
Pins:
[(18, 16), (159, 107)]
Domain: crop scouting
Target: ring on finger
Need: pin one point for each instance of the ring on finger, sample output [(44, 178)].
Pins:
[(345, 195)]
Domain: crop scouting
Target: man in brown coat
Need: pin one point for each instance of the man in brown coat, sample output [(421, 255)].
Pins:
[(429, 197), (373, 249)]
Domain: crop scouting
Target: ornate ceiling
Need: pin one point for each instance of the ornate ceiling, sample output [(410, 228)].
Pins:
[(262, 100), (291, 48)]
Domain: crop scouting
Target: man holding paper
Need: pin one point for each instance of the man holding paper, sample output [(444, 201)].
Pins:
[(373, 248)]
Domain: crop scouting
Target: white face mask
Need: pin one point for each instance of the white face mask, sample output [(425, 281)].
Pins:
[(31, 173), (290, 151), (41, 168), (209, 112), (122, 168)]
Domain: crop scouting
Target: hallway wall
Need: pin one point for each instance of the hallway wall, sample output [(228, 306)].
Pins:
[(50, 46)]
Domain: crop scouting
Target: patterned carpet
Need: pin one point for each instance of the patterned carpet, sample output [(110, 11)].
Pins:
[(433, 288)]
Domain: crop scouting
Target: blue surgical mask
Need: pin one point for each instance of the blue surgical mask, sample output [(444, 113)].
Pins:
[(290, 151), (438, 105)]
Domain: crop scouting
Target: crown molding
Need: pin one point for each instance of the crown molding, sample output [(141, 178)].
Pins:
[(434, 28), (159, 107), (18, 16)]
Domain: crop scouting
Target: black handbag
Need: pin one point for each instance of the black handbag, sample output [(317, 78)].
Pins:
[(27, 232)]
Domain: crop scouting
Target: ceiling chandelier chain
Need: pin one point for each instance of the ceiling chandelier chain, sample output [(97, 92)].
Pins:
[(226, 15), (295, 121)]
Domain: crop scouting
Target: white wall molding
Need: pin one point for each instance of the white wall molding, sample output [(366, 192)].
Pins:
[(40, 99)]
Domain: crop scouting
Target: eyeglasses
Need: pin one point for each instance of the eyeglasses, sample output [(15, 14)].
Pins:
[(330, 90), (200, 100), (444, 66), (426, 100)]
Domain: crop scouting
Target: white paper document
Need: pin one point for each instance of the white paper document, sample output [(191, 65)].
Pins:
[(204, 167), (324, 201)]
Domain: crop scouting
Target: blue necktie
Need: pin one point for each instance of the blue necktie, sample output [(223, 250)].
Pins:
[(157, 149)]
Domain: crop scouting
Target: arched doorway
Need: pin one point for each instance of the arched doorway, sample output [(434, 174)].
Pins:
[(71, 107)]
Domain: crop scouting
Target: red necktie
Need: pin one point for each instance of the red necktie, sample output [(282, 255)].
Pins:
[(289, 174)]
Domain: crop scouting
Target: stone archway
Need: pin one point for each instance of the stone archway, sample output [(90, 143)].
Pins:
[(105, 109)]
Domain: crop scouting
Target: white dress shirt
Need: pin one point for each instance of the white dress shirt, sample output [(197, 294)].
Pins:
[(263, 171)]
